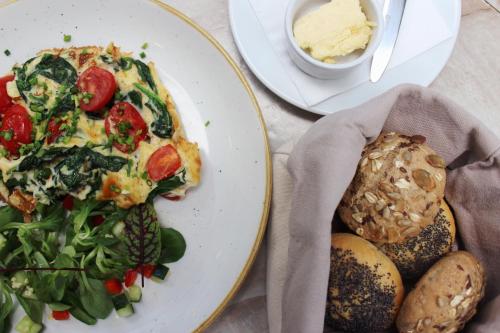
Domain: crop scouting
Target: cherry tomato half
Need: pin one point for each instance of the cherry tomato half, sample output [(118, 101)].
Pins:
[(163, 163), (113, 286), (147, 270), (130, 277), (68, 202), (127, 125), (60, 315), (16, 128), (99, 84), (5, 100), (54, 129), (97, 220)]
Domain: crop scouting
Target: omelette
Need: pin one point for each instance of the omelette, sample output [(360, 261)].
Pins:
[(91, 122)]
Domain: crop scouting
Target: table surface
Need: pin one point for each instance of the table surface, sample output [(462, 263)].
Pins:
[(471, 79)]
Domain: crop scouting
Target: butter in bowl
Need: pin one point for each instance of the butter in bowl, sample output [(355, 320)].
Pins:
[(329, 39)]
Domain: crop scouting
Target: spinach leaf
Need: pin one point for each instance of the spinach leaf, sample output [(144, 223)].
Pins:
[(82, 316), (95, 299), (163, 125), (145, 74), (36, 159), (173, 246), (142, 231), (22, 81), (77, 310), (6, 307), (111, 163), (81, 212), (9, 214), (11, 183), (33, 308), (126, 63), (81, 165), (57, 69), (168, 184), (136, 98), (49, 287), (107, 59)]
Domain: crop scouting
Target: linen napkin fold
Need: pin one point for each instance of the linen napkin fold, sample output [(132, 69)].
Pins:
[(422, 28), (323, 164)]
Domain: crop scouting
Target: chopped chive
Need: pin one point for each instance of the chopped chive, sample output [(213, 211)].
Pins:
[(129, 167), (33, 81), (7, 52), (7, 135), (67, 38), (207, 123), (142, 55), (144, 46)]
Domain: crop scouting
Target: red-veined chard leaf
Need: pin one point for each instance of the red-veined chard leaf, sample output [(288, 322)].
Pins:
[(142, 235)]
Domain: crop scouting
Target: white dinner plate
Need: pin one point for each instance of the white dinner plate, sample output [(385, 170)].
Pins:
[(223, 220), (257, 52)]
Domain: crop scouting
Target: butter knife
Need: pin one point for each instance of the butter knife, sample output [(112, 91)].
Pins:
[(393, 13)]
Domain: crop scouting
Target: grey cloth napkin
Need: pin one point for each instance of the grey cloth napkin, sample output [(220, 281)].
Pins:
[(323, 164)]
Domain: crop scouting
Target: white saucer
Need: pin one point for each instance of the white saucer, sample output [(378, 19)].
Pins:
[(255, 48)]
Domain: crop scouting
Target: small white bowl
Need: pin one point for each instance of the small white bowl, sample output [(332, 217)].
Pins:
[(322, 70)]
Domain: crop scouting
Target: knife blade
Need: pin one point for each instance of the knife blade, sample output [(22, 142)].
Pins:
[(393, 14)]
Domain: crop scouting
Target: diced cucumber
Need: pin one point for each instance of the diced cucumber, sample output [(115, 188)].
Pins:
[(122, 305), (134, 293), (160, 273), (118, 228), (120, 301), (126, 311), (26, 325), (59, 306)]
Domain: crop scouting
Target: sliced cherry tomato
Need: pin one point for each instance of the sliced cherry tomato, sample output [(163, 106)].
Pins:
[(68, 202), (113, 286), (5, 100), (163, 163), (16, 128), (171, 197), (99, 85), (60, 315), (54, 128), (127, 127), (130, 277), (97, 220), (147, 270)]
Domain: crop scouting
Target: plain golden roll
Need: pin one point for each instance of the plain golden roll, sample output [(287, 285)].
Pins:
[(445, 298), (365, 288), (414, 256)]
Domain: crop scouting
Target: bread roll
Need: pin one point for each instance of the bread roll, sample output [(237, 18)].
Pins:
[(365, 289), (445, 298), (414, 256), (397, 189)]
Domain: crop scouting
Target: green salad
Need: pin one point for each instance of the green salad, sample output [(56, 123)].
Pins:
[(80, 260)]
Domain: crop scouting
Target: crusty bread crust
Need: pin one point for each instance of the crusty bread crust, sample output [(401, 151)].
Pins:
[(397, 190), (445, 298), (415, 256), (365, 288)]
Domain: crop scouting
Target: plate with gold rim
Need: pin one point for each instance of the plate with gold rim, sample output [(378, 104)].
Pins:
[(223, 220)]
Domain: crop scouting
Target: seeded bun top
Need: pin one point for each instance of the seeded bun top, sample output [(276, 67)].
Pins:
[(397, 190), (445, 298)]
